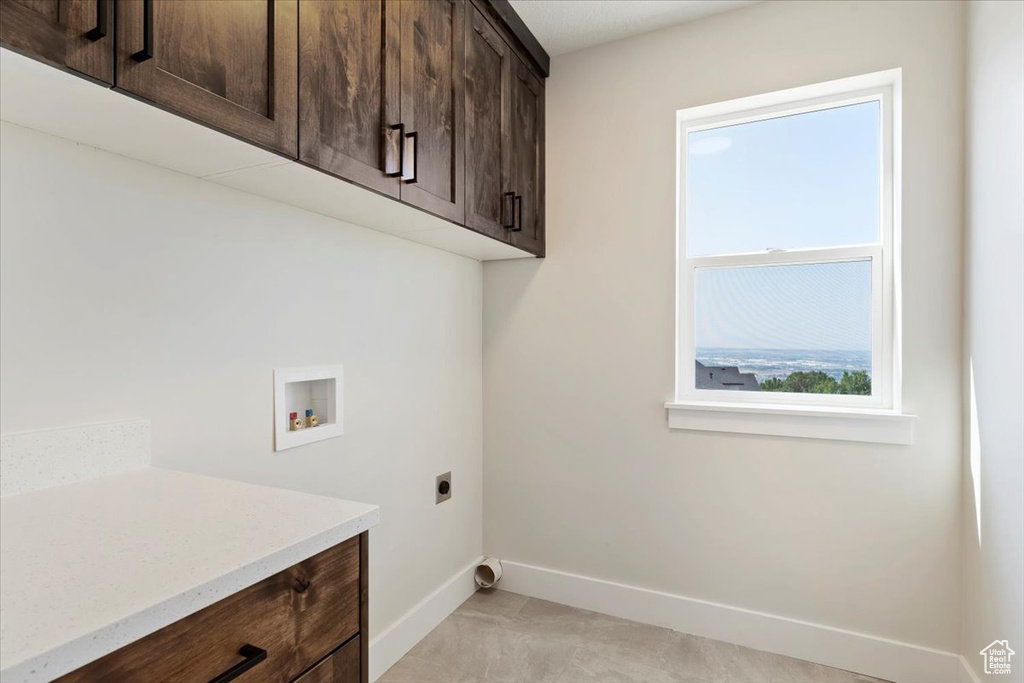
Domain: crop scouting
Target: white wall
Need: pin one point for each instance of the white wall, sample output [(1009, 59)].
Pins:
[(582, 473), (994, 462), (132, 291)]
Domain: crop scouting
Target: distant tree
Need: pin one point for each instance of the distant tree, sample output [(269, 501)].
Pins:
[(857, 382), (800, 382), (773, 384), (816, 382)]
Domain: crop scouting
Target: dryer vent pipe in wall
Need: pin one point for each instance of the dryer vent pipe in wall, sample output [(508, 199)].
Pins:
[(488, 572)]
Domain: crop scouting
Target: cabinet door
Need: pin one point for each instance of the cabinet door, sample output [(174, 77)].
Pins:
[(342, 666), (527, 159), (433, 106), (488, 161), (229, 65), (70, 34), (348, 87)]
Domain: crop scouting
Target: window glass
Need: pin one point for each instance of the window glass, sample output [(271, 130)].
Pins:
[(793, 328), (792, 182)]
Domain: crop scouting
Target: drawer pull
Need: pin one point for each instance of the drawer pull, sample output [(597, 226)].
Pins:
[(253, 656), (508, 209), (102, 22), (147, 33), (411, 176), (301, 585), (394, 150), (518, 213)]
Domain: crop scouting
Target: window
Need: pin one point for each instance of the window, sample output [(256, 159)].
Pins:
[(787, 240)]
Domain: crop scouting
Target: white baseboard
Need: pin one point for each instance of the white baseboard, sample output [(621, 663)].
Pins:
[(414, 625), (880, 657), (967, 672)]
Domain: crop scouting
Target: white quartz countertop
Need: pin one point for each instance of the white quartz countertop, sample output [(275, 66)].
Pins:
[(89, 567)]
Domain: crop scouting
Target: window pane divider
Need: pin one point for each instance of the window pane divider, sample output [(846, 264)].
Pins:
[(793, 257)]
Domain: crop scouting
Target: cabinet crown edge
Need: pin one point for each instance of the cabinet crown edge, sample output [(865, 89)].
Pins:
[(503, 12)]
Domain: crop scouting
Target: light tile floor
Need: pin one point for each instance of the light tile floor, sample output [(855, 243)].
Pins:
[(497, 636)]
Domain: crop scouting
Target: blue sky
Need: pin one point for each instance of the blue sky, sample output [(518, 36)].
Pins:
[(810, 180)]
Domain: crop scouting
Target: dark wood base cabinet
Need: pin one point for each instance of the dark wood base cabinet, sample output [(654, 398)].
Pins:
[(341, 666), (438, 104), (307, 623)]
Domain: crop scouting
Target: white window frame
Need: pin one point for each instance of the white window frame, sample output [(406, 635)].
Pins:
[(781, 413)]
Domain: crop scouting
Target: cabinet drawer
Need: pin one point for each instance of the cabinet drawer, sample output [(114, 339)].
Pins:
[(341, 667), (298, 616)]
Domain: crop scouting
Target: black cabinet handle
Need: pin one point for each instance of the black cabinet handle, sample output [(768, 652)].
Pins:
[(102, 22), (394, 150), (517, 214), (147, 33), (509, 210), (253, 656), (415, 157)]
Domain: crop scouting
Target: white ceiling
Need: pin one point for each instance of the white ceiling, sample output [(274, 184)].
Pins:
[(565, 25)]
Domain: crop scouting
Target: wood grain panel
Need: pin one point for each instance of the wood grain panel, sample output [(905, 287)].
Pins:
[(341, 667), (54, 31), (517, 34), (488, 72), (433, 104), (229, 65), (48, 9), (528, 158), (299, 616), (348, 87), (222, 47)]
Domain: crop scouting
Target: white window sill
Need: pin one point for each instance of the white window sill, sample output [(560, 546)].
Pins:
[(842, 424)]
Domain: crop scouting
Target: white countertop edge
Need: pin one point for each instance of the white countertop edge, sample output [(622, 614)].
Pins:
[(71, 655)]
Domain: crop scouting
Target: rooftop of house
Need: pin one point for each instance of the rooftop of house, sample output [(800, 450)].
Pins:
[(727, 378)]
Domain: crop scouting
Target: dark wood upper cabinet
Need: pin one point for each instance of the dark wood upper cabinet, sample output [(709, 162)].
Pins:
[(436, 103), (349, 87), (488, 137), (527, 159), (433, 105), (229, 65), (77, 35)]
